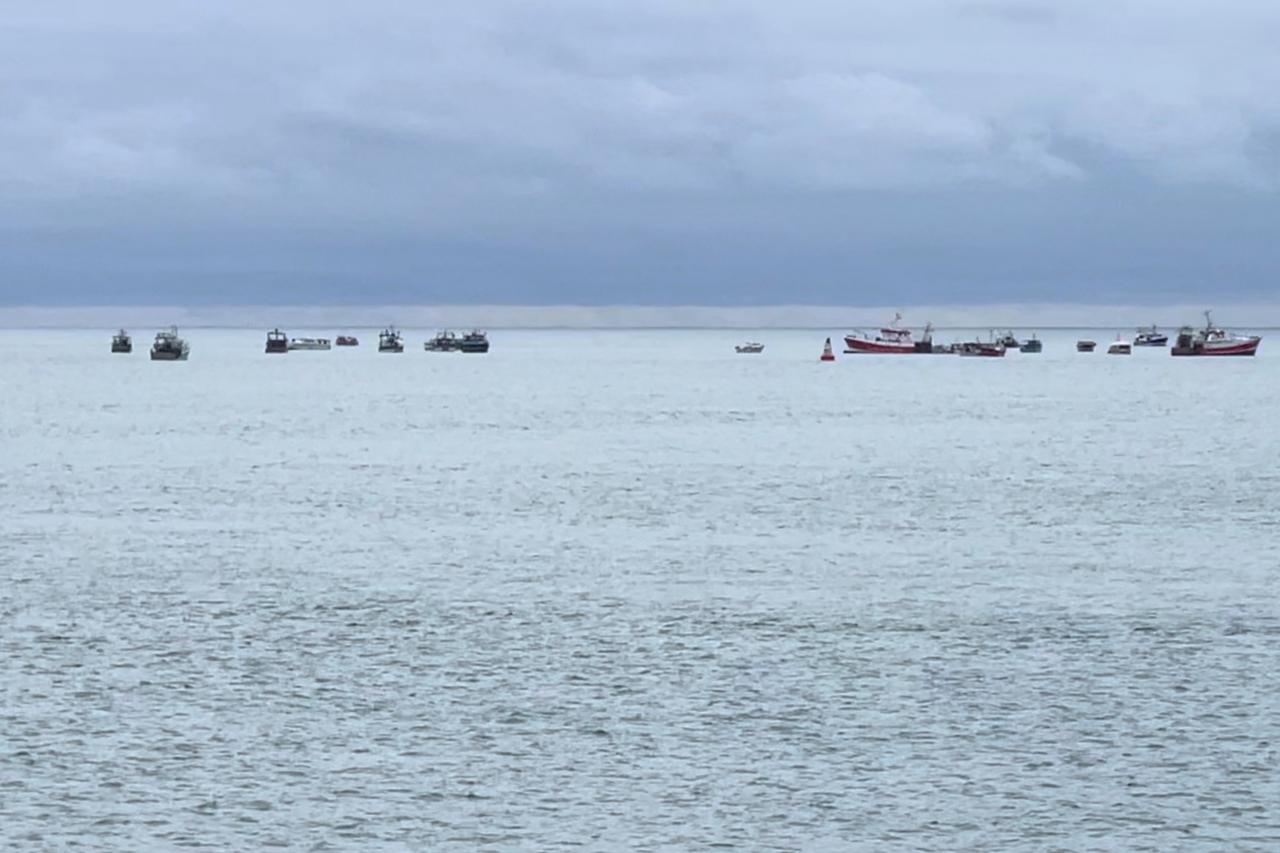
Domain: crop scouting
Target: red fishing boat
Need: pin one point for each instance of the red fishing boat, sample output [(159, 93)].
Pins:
[(1213, 341), (891, 340)]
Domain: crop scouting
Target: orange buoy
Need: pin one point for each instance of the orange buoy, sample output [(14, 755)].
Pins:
[(827, 354)]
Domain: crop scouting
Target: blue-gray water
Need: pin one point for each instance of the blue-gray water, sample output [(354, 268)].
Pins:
[(629, 590)]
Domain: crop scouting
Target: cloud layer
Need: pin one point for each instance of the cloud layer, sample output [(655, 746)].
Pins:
[(668, 151)]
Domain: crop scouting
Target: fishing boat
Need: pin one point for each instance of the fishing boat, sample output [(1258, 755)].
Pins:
[(891, 340), (1151, 337), (1086, 346), (1009, 341), (474, 341), (750, 347), (1120, 347), (346, 341), (309, 344), (389, 340), (1031, 344), (445, 341), (169, 347), (121, 342), (982, 349), (1212, 340), (277, 341)]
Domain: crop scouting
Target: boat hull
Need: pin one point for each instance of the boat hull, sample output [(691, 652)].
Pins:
[(866, 345), (1244, 347), (121, 348), (982, 351), (165, 355)]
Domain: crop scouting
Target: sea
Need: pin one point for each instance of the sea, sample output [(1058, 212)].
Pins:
[(629, 590)]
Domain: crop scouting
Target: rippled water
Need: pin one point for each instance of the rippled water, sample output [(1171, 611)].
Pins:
[(628, 590)]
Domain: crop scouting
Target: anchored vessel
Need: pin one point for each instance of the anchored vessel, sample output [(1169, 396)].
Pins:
[(389, 340), (1151, 337), (1085, 346), (750, 347), (1120, 347), (1009, 341), (1031, 344), (1213, 341), (983, 349), (445, 341), (891, 340), (474, 341), (309, 344), (346, 341), (121, 342), (277, 341), (169, 347)]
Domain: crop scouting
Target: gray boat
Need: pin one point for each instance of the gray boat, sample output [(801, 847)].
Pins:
[(169, 347)]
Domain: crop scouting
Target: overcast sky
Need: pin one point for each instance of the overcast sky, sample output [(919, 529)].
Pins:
[(833, 152)]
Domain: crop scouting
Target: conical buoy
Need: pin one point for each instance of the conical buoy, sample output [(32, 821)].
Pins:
[(827, 354)]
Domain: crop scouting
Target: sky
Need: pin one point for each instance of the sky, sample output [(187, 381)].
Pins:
[(672, 152)]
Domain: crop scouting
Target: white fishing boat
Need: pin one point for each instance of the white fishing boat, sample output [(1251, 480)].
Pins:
[(308, 343), (389, 340)]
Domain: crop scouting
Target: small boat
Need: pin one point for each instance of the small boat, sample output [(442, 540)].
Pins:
[(309, 344), (169, 347), (827, 354), (1085, 346), (1031, 344), (1213, 341), (346, 341), (445, 341), (277, 341), (983, 349), (1120, 347), (750, 347), (891, 340), (121, 342), (1151, 337), (474, 341), (389, 340)]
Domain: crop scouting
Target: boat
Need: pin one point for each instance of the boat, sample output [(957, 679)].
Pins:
[(1031, 344), (891, 340), (750, 347), (309, 344), (1212, 340), (346, 341), (827, 354), (1151, 337), (121, 342), (389, 340), (1008, 341), (474, 341), (277, 341), (169, 347), (1120, 347), (1085, 346), (982, 349), (445, 341)]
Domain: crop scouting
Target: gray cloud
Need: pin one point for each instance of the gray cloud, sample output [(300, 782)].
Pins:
[(667, 150)]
